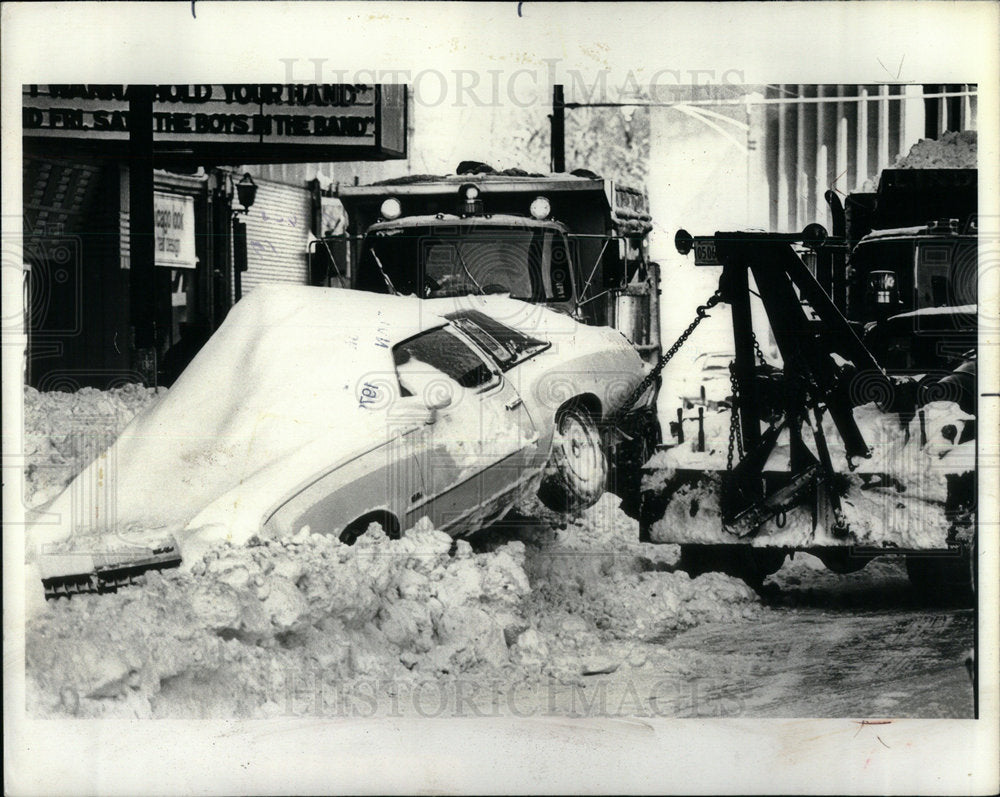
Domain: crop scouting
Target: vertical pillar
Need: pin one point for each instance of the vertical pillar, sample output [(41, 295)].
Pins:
[(221, 247), (772, 138), (849, 182), (871, 132), (840, 143), (814, 191), (826, 138), (862, 152), (953, 106), (883, 128), (788, 124), (239, 256), (895, 121), (142, 253), (558, 129), (782, 192), (969, 109), (802, 177)]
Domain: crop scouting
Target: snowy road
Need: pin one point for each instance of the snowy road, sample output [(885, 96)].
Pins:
[(826, 646)]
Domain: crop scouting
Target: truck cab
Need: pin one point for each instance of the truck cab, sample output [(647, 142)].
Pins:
[(576, 243), (451, 255)]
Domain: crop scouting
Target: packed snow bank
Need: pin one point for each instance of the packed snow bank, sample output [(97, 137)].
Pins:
[(598, 593), (233, 637), (220, 641), (285, 625), (64, 432)]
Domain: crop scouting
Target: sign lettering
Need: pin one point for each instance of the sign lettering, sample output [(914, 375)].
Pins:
[(173, 217), (262, 117)]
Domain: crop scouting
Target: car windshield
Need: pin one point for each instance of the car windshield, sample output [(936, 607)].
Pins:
[(529, 263), (716, 362)]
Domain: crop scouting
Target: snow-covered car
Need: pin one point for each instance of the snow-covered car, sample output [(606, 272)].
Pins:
[(331, 409), (707, 382)]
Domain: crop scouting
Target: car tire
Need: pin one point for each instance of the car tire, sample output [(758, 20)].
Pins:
[(577, 472)]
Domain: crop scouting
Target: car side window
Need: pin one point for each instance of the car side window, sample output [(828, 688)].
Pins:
[(431, 354)]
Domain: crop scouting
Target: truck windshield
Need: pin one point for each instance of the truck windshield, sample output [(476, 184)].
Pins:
[(529, 263)]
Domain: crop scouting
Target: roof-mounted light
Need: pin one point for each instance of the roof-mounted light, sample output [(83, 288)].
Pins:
[(469, 202), (540, 208), (391, 209)]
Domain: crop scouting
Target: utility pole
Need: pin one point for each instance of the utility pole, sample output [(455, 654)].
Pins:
[(558, 129), (142, 248)]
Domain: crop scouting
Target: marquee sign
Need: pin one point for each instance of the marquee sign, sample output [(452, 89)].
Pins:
[(234, 123)]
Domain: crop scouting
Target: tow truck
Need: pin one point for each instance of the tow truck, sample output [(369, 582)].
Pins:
[(827, 453)]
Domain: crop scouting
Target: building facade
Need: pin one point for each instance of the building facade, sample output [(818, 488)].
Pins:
[(95, 317)]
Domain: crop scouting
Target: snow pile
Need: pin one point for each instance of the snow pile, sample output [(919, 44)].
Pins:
[(951, 151), (230, 637), (597, 592), (63, 432), (221, 640)]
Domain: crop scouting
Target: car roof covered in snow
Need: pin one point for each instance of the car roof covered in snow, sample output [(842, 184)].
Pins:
[(271, 399), (328, 310)]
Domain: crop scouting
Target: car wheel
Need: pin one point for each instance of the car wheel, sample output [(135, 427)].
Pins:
[(577, 472), (356, 528)]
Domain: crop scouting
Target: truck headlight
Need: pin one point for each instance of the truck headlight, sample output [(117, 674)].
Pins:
[(540, 208), (391, 209)]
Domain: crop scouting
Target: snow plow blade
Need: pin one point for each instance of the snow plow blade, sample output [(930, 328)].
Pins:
[(107, 573)]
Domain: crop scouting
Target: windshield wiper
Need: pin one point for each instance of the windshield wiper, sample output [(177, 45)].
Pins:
[(388, 282), (581, 301), (465, 268)]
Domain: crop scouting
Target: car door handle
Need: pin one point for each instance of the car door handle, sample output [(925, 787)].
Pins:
[(514, 403)]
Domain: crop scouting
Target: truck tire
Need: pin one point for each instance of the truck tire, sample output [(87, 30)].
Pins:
[(577, 472), (944, 576), (746, 562)]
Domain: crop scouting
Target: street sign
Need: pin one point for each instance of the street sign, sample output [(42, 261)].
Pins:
[(173, 216)]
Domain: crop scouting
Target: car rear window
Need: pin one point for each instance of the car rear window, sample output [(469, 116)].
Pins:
[(505, 345)]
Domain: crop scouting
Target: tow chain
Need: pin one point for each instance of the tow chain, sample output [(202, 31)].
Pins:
[(734, 418), (757, 351), (700, 315), (735, 430)]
